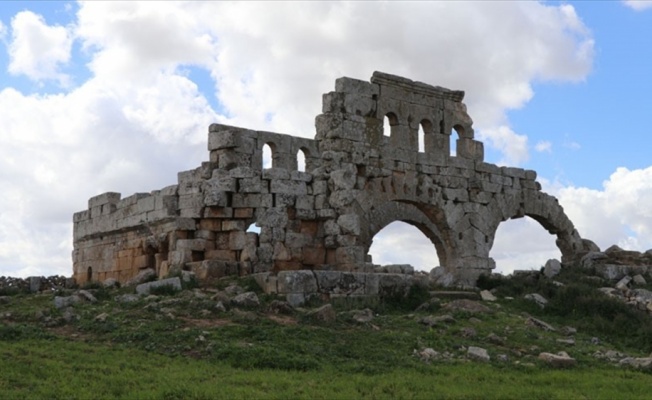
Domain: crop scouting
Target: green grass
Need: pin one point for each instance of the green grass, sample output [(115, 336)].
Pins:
[(60, 369), (179, 346)]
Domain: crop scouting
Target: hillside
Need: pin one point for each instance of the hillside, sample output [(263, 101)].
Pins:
[(230, 340)]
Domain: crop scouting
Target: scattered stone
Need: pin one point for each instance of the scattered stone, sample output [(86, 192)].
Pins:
[(487, 296), (363, 316), (468, 332), (475, 321), (5, 299), (552, 268), (568, 330), (469, 306), (101, 318), (143, 276), (219, 307), (537, 298), (145, 288), (233, 290), (495, 339), (502, 358), (325, 313), (86, 295), (639, 280), (623, 284), (569, 342), (531, 321), (110, 283), (638, 363), (478, 353), (437, 320), (426, 355), (246, 300), (127, 298), (67, 301), (594, 340), (280, 307), (559, 360)]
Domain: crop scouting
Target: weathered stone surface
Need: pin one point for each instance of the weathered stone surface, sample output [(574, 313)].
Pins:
[(478, 353), (246, 300), (145, 288), (487, 296), (437, 320), (537, 298), (552, 268), (143, 276), (559, 360)]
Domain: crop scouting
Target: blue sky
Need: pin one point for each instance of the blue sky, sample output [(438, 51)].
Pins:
[(116, 96)]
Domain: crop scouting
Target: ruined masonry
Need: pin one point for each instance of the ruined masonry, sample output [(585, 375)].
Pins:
[(358, 178)]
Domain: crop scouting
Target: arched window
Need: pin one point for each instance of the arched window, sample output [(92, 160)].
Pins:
[(389, 122), (425, 128), (301, 160), (268, 160)]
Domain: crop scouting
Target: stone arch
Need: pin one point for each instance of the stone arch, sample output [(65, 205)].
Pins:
[(546, 210), (415, 214), (425, 138)]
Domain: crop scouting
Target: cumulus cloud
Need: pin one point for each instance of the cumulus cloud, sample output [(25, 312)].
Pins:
[(620, 213), (139, 118), (512, 145), (38, 50), (638, 5)]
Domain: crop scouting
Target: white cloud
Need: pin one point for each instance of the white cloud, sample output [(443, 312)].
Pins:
[(543, 146), (512, 145), (138, 119), (638, 5), (37, 50)]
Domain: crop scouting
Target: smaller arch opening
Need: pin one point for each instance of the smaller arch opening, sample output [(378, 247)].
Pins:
[(89, 274), (425, 128), (453, 142), (301, 160), (389, 122), (268, 156)]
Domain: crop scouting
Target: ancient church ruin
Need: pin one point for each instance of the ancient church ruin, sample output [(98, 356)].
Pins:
[(358, 178)]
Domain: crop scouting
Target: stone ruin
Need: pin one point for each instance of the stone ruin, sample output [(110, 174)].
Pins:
[(316, 226)]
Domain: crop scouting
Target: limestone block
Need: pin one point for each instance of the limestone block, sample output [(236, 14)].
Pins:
[(245, 200), (350, 85), (237, 240), (341, 198), (302, 281), (145, 288), (273, 217), (331, 228), (191, 244), (300, 176), (349, 224), (288, 187), (244, 172), (350, 255), (281, 253), (276, 173), (552, 268), (145, 204), (104, 198), (249, 185), (179, 257)]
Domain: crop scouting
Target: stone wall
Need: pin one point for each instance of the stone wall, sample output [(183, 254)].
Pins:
[(358, 178)]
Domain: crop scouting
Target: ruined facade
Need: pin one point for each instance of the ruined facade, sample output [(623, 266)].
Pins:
[(358, 178)]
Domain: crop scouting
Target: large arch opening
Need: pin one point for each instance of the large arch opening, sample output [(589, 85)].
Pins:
[(268, 156), (402, 243), (522, 244)]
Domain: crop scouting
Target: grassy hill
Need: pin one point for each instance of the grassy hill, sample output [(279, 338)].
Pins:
[(202, 343)]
